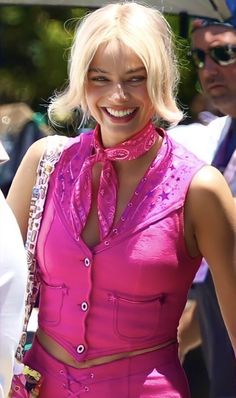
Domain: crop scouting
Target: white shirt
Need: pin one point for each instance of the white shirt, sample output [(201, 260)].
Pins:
[(203, 141), (13, 277)]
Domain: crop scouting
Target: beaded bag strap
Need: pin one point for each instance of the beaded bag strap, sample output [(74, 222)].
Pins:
[(50, 157)]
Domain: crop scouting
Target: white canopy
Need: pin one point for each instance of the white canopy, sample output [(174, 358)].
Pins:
[(205, 8)]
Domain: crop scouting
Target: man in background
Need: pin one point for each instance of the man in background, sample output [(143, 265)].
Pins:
[(214, 55)]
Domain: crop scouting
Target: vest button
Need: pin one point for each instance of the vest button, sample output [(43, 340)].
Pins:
[(80, 349), (87, 262), (84, 306)]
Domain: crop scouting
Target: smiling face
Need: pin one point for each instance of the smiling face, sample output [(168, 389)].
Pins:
[(116, 93), (218, 82)]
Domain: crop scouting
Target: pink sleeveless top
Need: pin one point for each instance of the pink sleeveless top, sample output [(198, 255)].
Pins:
[(127, 292)]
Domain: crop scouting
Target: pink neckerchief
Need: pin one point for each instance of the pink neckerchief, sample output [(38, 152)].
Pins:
[(131, 149)]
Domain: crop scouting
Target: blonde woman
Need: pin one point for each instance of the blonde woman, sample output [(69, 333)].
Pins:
[(128, 216)]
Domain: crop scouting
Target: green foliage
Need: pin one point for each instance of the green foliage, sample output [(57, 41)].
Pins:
[(188, 75), (33, 53)]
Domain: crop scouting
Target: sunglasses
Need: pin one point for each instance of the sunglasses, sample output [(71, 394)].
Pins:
[(222, 55)]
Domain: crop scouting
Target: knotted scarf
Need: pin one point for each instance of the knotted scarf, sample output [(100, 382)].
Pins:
[(131, 149)]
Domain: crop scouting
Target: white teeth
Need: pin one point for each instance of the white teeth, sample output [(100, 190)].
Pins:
[(122, 113)]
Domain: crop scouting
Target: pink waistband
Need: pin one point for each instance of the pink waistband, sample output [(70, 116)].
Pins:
[(40, 360)]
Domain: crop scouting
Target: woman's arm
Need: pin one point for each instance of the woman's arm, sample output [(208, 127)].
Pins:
[(211, 211), (189, 333), (19, 195)]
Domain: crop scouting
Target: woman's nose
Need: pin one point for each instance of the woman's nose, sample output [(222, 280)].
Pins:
[(118, 93)]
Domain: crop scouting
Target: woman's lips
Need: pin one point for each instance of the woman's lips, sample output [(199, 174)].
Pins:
[(120, 115)]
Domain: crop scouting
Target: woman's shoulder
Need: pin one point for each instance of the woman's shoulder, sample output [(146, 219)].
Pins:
[(209, 190), (51, 140), (208, 179), (38, 148)]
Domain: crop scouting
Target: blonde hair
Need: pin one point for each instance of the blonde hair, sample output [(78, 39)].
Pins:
[(147, 33)]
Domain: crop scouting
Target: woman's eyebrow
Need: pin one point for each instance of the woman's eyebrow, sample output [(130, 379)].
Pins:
[(135, 70), (99, 70), (129, 71)]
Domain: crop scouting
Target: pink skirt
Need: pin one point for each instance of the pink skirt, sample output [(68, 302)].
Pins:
[(150, 375)]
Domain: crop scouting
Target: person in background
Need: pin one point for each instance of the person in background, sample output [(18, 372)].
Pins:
[(13, 276), (214, 55), (126, 219), (19, 128), (201, 110)]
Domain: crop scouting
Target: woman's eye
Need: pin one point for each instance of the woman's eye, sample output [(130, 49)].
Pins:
[(131, 80), (99, 79), (137, 79)]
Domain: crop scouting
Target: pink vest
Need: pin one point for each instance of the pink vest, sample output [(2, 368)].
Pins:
[(129, 291)]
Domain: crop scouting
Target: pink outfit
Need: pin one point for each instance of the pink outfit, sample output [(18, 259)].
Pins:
[(129, 291)]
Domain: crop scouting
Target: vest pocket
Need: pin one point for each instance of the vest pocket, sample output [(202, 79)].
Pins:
[(137, 320), (51, 303)]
